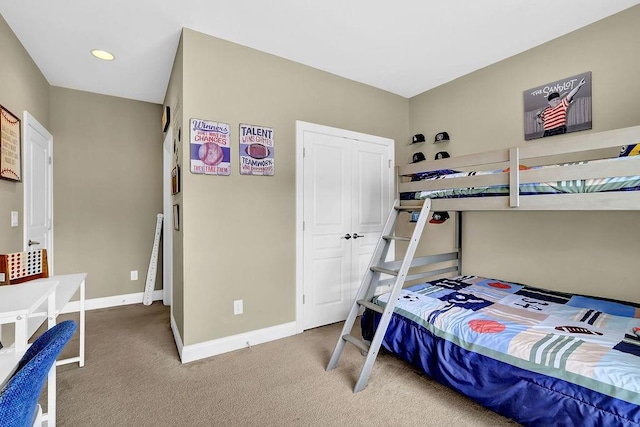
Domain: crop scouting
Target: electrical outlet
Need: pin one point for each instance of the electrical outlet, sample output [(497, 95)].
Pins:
[(238, 307), (134, 274)]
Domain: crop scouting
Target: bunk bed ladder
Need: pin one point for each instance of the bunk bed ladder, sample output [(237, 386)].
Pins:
[(371, 281)]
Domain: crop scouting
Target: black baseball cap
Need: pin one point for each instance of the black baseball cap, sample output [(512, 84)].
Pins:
[(439, 217), (418, 157), (417, 138), (442, 136), (553, 95)]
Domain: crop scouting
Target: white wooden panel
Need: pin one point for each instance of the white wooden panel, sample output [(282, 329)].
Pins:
[(620, 200), (328, 275), (327, 213)]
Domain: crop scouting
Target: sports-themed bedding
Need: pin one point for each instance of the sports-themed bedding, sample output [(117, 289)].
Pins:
[(536, 356), (596, 185)]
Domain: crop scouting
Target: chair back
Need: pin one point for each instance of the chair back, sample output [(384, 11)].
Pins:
[(19, 397)]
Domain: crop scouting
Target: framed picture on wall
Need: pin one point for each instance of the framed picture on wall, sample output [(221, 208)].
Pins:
[(175, 180), (176, 217), (10, 146), (558, 107)]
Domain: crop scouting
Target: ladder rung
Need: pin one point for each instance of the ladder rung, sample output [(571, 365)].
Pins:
[(399, 238), (357, 342), (371, 306), (407, 208), (385, 270)]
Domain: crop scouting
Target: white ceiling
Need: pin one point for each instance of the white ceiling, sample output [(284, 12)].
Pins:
[(405, 46)]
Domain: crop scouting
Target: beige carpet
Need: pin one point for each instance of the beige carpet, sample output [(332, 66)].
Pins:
[(133, 377)]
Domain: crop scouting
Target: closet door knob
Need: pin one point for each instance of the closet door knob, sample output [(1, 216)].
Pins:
[(33, 242), (346, 236), (356, 235)]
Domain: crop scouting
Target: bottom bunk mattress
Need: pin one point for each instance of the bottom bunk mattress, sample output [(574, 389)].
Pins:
[(536, 356)]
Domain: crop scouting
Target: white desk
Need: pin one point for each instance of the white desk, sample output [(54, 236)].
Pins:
[(24, 304), (17, 303), (68, 285)]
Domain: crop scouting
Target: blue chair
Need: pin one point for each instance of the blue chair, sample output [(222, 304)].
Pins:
[(19, 397)]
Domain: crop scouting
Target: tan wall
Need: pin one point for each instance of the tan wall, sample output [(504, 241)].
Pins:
[(588, 252), (239, 231), (173, 99), (107, 165), (22, 87)]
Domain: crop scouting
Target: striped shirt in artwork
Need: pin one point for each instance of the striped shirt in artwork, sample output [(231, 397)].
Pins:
[(555, 116)]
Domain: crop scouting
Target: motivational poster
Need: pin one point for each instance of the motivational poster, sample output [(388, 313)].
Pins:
[(210, 147), (256, 150)]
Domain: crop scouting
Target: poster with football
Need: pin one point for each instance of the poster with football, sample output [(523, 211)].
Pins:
[(256, 150), (210, 146)]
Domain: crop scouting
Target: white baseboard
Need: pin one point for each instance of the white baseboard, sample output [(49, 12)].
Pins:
[(176, 336), (106, 302), (191, 353)]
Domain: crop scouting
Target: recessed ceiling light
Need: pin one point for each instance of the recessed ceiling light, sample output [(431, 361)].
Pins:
[(103, 54)]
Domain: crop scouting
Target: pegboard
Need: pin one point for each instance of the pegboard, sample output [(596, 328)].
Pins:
[(21, 267)]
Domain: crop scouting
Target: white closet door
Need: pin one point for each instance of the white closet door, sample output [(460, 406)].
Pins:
[(370, 204), (327, 213), (346, 192)]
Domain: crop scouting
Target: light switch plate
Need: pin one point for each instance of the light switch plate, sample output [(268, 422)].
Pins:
[(14, 218)]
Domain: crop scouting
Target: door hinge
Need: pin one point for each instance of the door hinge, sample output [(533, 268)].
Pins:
[(303, 298), (50, 160), (304, 152), (389, 163)]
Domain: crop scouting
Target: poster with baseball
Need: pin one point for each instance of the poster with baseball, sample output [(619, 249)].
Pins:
[(210, 146), (558, 107), (256, 150), (10, 161)]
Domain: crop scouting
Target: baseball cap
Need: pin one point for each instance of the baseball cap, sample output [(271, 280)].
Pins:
[(417, 138), (553, 95), (439, 217), (630, 150), (418, 157), (440, 137)]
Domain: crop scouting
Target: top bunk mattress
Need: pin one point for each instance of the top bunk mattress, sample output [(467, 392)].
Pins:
[(595, 180), (591, 185)]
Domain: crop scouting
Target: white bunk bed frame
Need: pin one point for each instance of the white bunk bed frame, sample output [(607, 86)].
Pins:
[(534, 153), (590, 146)]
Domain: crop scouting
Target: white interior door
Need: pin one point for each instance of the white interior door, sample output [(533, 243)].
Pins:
[(38, 188), (327, 220), (346, 197), (372, 200)]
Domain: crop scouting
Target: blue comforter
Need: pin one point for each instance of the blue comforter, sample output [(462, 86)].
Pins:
[(536, 356)]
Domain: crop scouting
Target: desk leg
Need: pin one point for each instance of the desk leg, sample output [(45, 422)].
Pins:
[(51, 397), (82, 320), (51, 383), (21, 337)]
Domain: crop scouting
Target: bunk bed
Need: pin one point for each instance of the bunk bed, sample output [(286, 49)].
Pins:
[(537, 356)]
